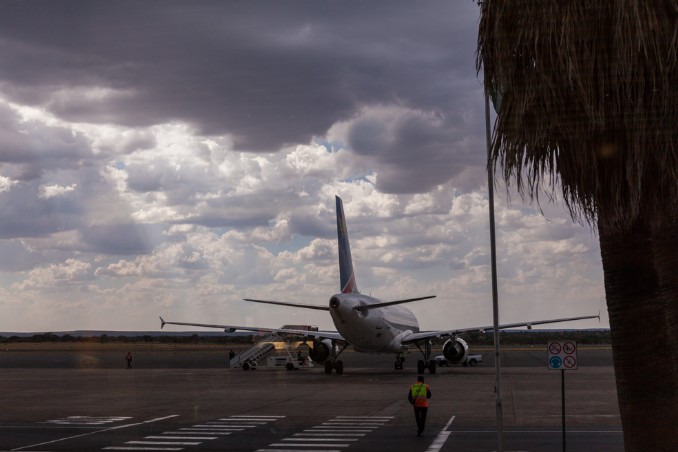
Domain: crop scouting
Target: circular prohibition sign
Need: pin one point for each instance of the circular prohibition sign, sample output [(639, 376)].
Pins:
[(554, 348), (569, 348), (569, 362)]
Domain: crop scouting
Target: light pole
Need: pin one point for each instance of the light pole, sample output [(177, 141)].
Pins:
[(495, 296)]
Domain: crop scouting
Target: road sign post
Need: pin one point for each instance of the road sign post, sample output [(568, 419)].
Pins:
[(562, 356)]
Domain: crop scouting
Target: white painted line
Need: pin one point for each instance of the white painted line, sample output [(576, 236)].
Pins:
[(309, 445), (297, 450), (198, 432), (224, 426), (165, 443), (239, 421), (181, 437), (329, 434), (438, 443), (494, 432), (320, 439), (253, 419), (117, 427), (350, 427), (364, 417), (142, 448), (257, 415), (357, 432), (367, 424)]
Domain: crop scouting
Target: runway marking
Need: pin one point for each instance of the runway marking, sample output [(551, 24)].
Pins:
[(181, 437), (306, 444), (223, 426), (439, 441), (117, 427), (335, 433), (142, 448), (328, 434), (208, 430), (320, 439), (87, 420)]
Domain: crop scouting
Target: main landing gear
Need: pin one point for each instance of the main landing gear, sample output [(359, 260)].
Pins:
[(333, 362), (427, 362)]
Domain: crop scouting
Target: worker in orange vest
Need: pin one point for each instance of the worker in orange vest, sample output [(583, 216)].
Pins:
[(418, 396)]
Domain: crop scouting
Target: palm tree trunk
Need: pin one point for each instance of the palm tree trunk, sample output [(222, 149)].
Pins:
[(640, 271), (665, 250)]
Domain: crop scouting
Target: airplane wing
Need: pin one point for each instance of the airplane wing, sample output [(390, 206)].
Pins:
[(414, 337), (292, 332), (295, 305)]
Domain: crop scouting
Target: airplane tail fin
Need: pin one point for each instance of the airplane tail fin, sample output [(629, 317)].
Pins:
[(348, 284)]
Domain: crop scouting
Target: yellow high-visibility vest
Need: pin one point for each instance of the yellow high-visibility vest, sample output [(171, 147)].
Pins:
[(419, 391)]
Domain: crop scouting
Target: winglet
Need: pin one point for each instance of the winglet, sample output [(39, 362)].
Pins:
[(162, 322)]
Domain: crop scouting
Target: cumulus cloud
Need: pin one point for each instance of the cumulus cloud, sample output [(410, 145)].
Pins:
[(194, 159)]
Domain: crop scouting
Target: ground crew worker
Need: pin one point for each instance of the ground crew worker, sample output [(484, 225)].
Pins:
[(128, 358), (418, 396)]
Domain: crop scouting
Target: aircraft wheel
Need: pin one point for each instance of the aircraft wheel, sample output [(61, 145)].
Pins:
[(432, 367), (289, 366), (328, 367), (245, 366), (339, 366), (420, 366), (473, 363)]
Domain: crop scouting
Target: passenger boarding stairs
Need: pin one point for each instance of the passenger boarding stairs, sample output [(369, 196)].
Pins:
[(255, 353), (259, 351)]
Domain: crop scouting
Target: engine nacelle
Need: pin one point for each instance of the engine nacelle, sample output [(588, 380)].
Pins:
[(320, 350), (455, 350)]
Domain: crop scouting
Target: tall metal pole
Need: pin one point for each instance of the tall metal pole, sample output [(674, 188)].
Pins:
[(495, 296)]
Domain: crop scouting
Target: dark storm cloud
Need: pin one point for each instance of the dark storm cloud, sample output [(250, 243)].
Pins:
[(267, 73)]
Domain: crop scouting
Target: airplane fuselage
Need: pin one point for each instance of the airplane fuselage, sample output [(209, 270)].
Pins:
[(375, 330)]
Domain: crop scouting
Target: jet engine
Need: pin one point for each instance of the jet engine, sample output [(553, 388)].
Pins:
[(320, 350), (455, 350)]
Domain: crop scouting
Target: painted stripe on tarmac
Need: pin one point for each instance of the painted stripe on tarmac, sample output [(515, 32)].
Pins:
[(141, 448), (117, 427), (298, 450), (320, 439), (329, 434), (439, 441), (307, 444), (182, 437)]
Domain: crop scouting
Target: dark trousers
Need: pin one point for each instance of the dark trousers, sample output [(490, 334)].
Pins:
[(420, 416)]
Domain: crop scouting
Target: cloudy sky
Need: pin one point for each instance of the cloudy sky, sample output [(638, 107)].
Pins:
[(171, 158)]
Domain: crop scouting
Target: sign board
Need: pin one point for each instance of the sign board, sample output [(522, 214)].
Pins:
[(562, 355)]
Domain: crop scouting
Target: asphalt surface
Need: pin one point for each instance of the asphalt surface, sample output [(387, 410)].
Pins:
[(186, 400)]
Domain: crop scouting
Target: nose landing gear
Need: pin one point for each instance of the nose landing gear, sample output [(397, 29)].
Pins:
[(333, 362)]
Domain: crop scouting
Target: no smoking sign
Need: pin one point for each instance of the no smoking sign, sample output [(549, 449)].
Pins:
[(562, 355)]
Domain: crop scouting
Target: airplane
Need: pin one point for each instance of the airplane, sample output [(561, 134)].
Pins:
[(370, 325)]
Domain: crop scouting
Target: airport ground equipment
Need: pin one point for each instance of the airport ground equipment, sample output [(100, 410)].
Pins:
[(251, 356)]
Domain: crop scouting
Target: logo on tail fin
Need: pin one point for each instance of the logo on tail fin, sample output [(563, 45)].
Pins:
[(346, 274)]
